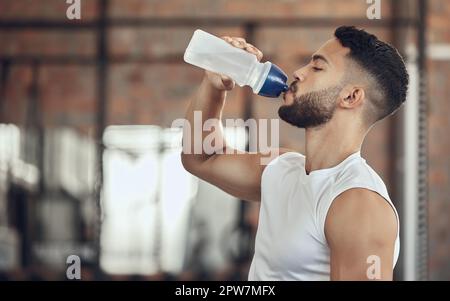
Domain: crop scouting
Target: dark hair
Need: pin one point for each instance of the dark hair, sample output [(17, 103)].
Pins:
[(383, 63)]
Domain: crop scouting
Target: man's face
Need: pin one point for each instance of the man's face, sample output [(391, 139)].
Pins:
[(312, 98)]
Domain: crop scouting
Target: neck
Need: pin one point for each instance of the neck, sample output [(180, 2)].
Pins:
[(329, 145)]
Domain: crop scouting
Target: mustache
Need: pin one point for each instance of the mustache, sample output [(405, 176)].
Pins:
[(294, 86)]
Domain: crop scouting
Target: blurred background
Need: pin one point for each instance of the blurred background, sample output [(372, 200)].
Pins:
[(89, 165)]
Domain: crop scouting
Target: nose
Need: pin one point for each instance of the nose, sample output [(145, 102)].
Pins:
[(299, 75)]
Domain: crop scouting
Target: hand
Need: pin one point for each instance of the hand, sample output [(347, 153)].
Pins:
[(225, 83)]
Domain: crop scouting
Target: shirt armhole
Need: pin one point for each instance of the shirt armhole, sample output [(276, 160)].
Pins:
[(323, 210)]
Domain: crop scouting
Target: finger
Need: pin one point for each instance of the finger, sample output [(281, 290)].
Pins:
[(252, 49), (238, 42), (228, 39)]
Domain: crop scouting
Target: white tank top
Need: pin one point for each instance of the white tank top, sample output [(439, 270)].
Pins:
[(290, 241)]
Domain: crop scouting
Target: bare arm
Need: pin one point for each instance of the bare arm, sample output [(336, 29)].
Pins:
[(361, 228), (236, 174)]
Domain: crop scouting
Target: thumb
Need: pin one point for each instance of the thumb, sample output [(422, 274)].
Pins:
[(227, 82)]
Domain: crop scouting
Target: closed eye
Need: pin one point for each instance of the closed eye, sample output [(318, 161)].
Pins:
[(317, 69)]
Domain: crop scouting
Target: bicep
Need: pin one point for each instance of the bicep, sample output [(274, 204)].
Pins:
[(238, 174), (361, 229)]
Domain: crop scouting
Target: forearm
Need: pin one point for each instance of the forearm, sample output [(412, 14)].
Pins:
[(208, 101)]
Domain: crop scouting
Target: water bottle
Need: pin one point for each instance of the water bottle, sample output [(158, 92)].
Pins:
[(214, 54)]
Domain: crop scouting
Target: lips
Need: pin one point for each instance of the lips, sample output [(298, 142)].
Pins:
[(293, 88), (285, 94)]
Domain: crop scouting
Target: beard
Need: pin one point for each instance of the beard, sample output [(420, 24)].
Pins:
[(312, 109)]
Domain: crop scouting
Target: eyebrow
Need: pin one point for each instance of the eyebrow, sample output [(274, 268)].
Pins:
[(316, 57)]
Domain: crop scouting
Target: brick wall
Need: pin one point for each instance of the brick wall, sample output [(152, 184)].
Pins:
[(439, 144)]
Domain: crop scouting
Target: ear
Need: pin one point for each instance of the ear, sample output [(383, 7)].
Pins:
[(351, 97)]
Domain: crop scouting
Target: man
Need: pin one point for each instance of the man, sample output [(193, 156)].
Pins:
[(326, 215)]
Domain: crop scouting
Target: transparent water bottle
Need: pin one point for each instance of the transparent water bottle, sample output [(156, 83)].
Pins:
[(216, 55)]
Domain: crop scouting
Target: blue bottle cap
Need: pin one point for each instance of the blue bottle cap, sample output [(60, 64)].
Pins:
[(275, 83)]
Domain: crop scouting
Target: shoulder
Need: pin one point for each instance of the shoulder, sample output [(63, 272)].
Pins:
[(284, 156), (358, 174), (357, 169), (360, 214), (360, 228), (284, 153)]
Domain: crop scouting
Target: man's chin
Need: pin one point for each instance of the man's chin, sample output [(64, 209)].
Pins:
[(282, 115), (288, 99)]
